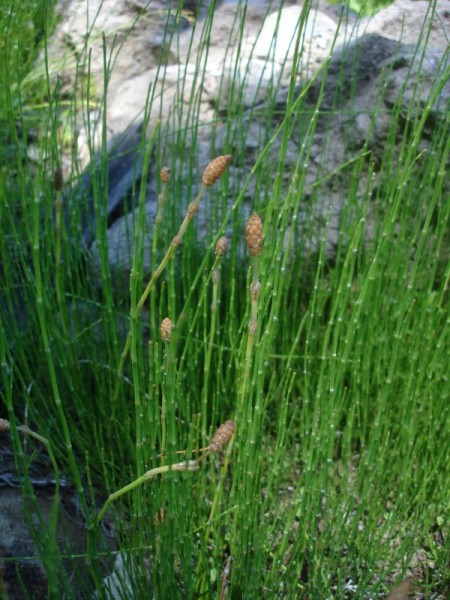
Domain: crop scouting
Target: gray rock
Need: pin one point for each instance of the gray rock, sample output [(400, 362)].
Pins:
[(124, 168), (120, 583), (361, 117), (20, 565), (16, 542), (134, 37), (193, 88), (412, 80), (409, 21)]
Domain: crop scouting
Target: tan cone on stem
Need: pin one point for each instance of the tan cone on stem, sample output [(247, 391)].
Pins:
[(4, 425), (166, 330), (164, 175), (221, 246), (215, 169), (254, 235), (222, 436)]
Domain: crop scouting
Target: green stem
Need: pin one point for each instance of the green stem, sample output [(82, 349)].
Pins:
[(192, 209), (161, 201), (58, 274), (164, 403), (134, 321), (159, 216), (241, 397), (190, 465), (250, 340), (42, 316), (212, 334)]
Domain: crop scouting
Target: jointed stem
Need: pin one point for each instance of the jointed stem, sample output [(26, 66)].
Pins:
[(190, 465), (192, 209)]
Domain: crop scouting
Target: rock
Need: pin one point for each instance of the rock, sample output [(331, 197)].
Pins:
[(124, 167), (365, 66), (353, 67), (16, 542), (21, 568), (122, 579), (195, 92), (135, 45), (171, 96), (262, 65), (412, 80), (408, 21), (277, 38)]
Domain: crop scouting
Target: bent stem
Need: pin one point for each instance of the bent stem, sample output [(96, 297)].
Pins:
[(190, 465), (192, 209), (221, 437)]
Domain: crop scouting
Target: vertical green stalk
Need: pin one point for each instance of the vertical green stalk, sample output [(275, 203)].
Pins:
[(135, 337), (163, 418), (211, 174), (251, 336), (208, 355), (168, 440), (100, 195), (171, 402), (220, 251), (254, 235), (42, 311), (135, 280), (59, 284), (164, 177), (192, 209)]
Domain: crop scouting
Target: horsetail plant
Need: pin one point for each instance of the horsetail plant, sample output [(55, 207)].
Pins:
[(166, 336), (220, 251), (57, 186), (42, 310), (211, 174), (164, 177), (220, 439), (255, 238)]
